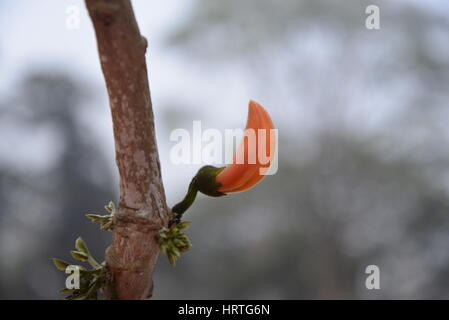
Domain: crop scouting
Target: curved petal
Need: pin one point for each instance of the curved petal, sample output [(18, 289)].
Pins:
[(241, 176)]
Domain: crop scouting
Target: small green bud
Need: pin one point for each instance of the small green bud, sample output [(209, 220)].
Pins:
[(65, 290), (81, 296), (98, 217), (90, 273), (172, 231), (178, 243), (174, 251), (171, 259), (80, 245), (184, 249), (79, 255), (163, 248), (182, 237), (184, 225), (106, 226), (110, 207), (60, 264)]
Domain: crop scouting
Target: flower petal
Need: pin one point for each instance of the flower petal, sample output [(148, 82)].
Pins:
[(244, 172)]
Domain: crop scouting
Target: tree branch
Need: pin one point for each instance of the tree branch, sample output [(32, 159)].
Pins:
[(142, 209)]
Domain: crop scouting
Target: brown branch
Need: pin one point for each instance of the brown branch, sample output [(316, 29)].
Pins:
[(142, 210)]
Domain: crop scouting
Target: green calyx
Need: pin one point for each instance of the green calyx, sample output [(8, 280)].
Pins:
[(204, 182)]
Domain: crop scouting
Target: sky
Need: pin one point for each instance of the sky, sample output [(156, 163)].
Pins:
[(45, 42), (45, 39), (34, 36)]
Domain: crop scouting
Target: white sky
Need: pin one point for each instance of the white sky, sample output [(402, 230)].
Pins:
[(34, 36)]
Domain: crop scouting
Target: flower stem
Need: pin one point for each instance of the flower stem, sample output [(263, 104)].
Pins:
[(185, 204)]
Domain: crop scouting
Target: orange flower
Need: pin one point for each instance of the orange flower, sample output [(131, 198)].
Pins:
[(254, 154), (250, 163)]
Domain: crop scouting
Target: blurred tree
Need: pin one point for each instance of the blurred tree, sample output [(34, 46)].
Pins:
[(311, 230), (44, 205), (362, 174)]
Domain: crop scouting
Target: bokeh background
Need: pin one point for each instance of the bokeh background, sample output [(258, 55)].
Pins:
[(363, 160)]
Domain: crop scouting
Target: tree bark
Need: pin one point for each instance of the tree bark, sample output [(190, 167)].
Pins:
[(142, 210)]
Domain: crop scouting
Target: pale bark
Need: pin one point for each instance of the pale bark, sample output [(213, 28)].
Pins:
[(142, 209)]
